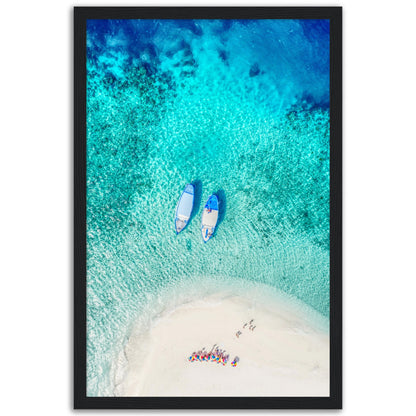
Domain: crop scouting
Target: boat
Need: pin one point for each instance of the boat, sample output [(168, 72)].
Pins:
[(209, 218), (184, 208)]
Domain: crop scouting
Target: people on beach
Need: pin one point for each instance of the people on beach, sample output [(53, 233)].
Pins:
[(235, 361), (218, 355), (250, 328)]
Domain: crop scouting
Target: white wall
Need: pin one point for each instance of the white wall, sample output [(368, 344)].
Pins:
[(379, 204)]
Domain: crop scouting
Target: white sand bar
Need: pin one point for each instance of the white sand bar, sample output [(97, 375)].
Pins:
[(285, 355)]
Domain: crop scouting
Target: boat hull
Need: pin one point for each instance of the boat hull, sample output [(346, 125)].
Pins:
[(184, 208), (209, 218)]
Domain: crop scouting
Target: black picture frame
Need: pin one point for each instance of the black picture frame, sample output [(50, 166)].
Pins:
[(81, 14)]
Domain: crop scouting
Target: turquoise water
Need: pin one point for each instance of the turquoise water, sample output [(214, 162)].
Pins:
[(241, 108)]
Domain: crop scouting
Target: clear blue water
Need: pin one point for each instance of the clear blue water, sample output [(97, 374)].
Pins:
[(242, 109)]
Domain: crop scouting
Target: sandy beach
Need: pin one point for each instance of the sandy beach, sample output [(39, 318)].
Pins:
[(285, 355)]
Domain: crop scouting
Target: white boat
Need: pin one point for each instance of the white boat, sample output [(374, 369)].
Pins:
[(209, 218), (184, 208)]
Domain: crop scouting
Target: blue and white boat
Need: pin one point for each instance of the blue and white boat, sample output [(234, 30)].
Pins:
[(209, 218), (184, 208)]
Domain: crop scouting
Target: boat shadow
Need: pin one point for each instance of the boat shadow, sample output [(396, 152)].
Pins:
[(222, 207), (197, 197)]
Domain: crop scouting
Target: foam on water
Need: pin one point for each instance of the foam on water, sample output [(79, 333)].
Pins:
[(216, 103)]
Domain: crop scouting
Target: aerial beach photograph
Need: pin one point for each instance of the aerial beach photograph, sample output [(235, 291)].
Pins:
[(208, 207)]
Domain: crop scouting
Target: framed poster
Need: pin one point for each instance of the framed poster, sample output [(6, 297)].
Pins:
[(207, 207)]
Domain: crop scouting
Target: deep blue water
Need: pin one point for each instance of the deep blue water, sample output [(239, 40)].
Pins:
[(242, 109)]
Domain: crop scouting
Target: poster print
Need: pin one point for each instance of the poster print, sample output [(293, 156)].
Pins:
[(207, 177)]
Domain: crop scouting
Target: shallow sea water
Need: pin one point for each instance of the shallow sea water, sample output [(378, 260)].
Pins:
[(239, 108)]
